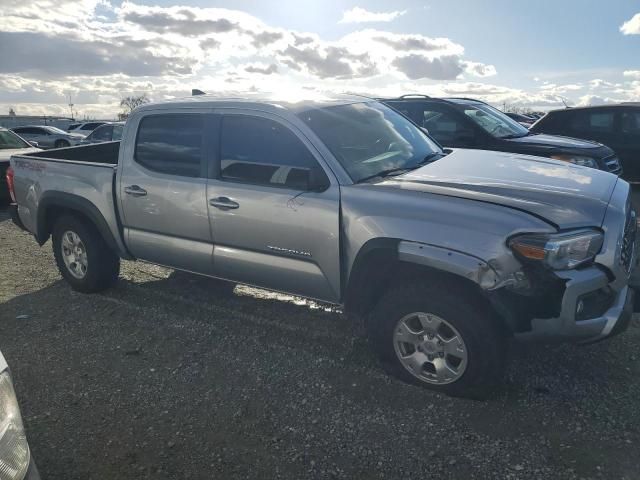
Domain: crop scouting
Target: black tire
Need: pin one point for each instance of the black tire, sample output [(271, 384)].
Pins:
[(484, 339), (103, 264), (61, 144)]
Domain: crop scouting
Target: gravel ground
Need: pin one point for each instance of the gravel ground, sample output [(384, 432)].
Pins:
[(166, 377)]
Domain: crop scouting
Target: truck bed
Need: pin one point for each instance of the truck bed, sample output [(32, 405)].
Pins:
[(103, 153)]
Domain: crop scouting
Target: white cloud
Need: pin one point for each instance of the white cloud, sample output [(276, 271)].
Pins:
[(635, 74), (360, 15), (588, 100), (632, 26)]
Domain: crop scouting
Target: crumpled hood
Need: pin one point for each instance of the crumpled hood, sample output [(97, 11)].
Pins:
[(563, 194), (5, 155)]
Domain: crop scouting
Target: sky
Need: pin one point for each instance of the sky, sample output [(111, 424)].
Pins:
[(534, 54)]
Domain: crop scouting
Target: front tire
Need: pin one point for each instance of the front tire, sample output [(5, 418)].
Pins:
[(83, 258), (441, 338), (61, 144)]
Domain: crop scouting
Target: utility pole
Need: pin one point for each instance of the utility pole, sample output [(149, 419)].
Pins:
[(71, 107)]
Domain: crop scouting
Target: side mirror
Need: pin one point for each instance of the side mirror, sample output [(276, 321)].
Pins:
[(317, 180), (34, 144)]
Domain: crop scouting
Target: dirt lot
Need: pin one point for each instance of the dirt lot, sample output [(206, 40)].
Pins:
[(162, 377)]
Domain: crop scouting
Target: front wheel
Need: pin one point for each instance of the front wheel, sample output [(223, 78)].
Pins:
[(440, 338), (61, 144), (83, 258)]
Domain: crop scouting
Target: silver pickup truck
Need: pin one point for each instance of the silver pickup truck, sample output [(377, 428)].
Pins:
[(445, 254)]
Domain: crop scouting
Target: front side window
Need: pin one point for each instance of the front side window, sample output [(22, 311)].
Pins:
[(264, 152), (102, 134), (9, 140), (594, 122), (444, 127), (493, 121), (630, 122), (370, 138), (170, 144), (117, 132)]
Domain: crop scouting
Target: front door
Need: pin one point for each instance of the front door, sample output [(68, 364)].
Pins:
[(268, 229), (162, 191)]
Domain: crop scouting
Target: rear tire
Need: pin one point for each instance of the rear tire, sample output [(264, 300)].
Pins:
[(83, 258), (61, 144), (465, 356)]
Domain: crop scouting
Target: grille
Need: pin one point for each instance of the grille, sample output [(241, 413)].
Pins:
[(628, 240), (612, 164)]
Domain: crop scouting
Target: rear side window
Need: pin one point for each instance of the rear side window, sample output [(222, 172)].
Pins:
[(171, 144), (260, 151), (592, 122)]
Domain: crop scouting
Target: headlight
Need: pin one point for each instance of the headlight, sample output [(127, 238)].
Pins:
[(14, 450), (561, 251), (578, 160)]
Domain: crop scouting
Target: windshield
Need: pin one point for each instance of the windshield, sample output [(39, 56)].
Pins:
[(56, 130), (370, 138), (9, 140), (493, 121)]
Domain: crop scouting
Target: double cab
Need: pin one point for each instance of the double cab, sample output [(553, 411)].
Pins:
[(344, 200)]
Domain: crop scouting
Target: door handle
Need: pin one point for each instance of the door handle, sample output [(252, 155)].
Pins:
[(223, 203), (135, 191)]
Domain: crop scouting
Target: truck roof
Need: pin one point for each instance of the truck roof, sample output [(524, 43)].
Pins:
[(258, 101)]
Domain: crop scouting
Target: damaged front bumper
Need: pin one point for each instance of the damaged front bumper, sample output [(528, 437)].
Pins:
[(598, 301), (586, 291)]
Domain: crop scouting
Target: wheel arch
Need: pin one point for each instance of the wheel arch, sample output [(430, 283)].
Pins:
[(54, 204), (382, 262)]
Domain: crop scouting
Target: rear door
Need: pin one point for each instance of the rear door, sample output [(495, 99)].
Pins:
[(268, 229), (628, 143), (162, 190)]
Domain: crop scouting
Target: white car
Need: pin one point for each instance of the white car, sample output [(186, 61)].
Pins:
[(11, 144), (84, 128), (15, 457), (48, 136)]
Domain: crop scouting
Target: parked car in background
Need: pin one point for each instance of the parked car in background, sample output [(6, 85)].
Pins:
[(523, 120), (84, 128), (10, 144), (16, 462), (108, 132), (469, 123), (47, 136), (346, 201), (617, 126)]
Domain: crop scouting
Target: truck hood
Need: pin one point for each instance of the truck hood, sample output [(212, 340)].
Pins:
[(5, 155), (563, 194)]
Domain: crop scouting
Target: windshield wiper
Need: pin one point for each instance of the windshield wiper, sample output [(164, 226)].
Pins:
[(386, 173)]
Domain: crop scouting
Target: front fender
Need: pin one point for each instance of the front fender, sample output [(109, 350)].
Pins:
[(451, 261)]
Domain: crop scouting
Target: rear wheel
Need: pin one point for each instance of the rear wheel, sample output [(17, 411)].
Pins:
[(83, 258), (61, 144), (439, 338)]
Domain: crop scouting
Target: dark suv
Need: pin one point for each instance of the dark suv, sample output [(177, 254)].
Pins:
[(469, 123), (617, 126)]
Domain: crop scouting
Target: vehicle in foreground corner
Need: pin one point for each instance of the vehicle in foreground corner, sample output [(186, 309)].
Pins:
[(48, 136), (108, 132), (16, 462), (10, 144), (617, 126), (469, 123), (346, 201)]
